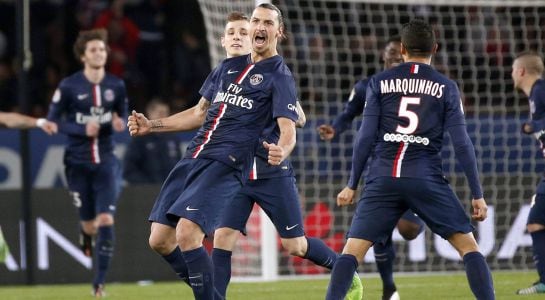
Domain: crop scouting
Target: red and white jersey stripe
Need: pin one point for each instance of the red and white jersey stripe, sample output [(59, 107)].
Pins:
[(398, 161), (244, 73), (253, 171), (97, 102), (208, 134)]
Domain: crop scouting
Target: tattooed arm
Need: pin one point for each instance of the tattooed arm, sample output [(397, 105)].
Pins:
[(186, 120)]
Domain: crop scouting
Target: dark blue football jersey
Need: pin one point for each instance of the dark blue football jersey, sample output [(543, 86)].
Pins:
[(407, 110), (537, 107), (353, 108), (78, 101), (245, 99)]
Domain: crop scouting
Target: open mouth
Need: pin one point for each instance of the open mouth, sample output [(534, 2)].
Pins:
[(260, 38)]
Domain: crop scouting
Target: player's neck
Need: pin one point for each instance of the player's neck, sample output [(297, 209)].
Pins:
[(421, 60), (528, 85), (94, 75), (257, 57)]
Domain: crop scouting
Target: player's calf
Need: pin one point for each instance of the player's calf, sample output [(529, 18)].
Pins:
[(86, 243)]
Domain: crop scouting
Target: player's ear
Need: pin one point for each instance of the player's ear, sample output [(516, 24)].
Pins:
[(403, 50), (222, 40), (434, 49)]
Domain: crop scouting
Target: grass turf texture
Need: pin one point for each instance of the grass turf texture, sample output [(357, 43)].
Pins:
[(417, 286)]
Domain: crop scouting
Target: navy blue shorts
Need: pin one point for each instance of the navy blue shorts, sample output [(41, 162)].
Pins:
[(94, 188), (279, 199), (386, 199), (197, 190)]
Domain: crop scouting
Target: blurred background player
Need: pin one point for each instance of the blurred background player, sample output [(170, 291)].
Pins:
[(220, 156), (271, 187), (527, 76), (404, 130), (150, 158), (88, 107), (16, 120), (409, 225)]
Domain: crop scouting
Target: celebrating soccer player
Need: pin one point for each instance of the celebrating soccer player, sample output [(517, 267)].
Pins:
[(527, 72), (408, 108), (273, 188), (88, 106), (251, 92), (409, 225)]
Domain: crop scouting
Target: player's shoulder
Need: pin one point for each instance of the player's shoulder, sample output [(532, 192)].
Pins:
[(539, 87), (73, 79), (113, 80)]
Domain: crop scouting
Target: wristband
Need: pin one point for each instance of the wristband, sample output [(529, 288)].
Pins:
[(40, 122)]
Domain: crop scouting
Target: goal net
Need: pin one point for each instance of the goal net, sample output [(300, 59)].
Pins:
[(332, 44)]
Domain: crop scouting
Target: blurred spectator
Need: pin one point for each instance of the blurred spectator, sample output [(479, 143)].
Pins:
[(123, 38), (150, 158)]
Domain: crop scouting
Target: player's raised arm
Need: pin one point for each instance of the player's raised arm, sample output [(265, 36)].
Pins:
[(189, 119)]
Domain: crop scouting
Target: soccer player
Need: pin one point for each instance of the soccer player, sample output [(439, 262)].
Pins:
[(409, 225), (408, 109), (527, 77), (88, 107), (251, 92), (273, 189), (16, 120)]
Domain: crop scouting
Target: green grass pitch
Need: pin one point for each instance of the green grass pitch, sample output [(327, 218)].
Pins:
[(418, 286)]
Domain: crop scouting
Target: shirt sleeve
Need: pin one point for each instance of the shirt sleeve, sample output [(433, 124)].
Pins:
[(284, 98), (538, 117), (58, 109), (465, 153), (122, 101), (353, 108), (209, 87), (366, 136)]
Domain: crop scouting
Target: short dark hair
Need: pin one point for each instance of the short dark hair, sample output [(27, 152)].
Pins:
[(394, 39), (418, 38), (86, 36), (237, 16)]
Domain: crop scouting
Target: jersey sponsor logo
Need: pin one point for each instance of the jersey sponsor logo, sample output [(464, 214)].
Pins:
[(82, 96), (190, 209), (412, 86), (109, 95), (256, 79), (96, 114), (405, 138), (56, 96), (288, 228), (231, 96), (292, 107), (232, 71)]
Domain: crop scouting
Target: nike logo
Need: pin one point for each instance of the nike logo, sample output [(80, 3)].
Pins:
[(190, 209), (231, 72), (83, 96), (291, 227)]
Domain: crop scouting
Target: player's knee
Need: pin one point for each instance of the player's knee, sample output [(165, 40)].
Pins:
[(295, 246), (105, 219), (189, 235), (225, 238), (161, 245), (411, 233)]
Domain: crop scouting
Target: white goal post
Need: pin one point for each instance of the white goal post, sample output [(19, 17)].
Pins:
[(331, 45)]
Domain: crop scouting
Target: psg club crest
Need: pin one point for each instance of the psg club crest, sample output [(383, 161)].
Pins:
[(256, 79), (109, 95)]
